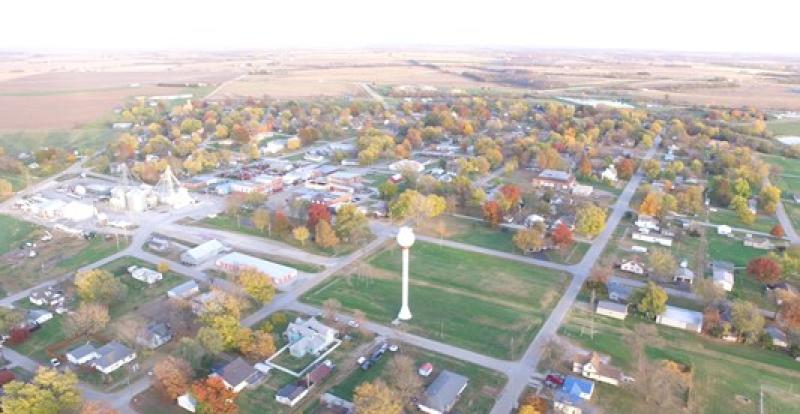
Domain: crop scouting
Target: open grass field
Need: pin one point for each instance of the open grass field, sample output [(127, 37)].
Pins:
[(721, 371), (478, 398), (730, 250), (477, 233), (58, 257), (50, 333), (726, 216), (784, 127), (786, 173), (14, 232), (479, 302)]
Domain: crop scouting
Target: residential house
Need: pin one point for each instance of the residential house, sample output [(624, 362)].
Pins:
[(112, 356), (184, 290), (761, 243), (618, 292), (345, 178), (154, 335), (309, 336), (632, 266), (590, 366), (683, 275), (566, 403), (558, 180), (653, 238), (722, 274), (443, 393), (578, 387), (238, 374), (145, 275), (187, 402), (236, 262), (681, 318), (533, 219), (202, 253), (648, 223), (582, 190), (612, 309), (291, 394), (724, 230), (609, 174), (82, 354)]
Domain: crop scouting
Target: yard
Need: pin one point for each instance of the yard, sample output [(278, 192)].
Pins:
[(139, 293), (726, 216), (14, 233), (783, 127), (477, 233), (478, 302), (721, 371), (230, 223), (50, 333), (478, 398), (788, 176), (54, 258)]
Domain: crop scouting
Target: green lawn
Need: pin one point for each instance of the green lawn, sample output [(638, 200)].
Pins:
[(793, 211), (139, 293), (476, 399), (489, 305), (726, 216), (50, 333), (720, 370), (90, 137), (782, 127), (14, 232), (230, 223), (788, 176), (730, 249)]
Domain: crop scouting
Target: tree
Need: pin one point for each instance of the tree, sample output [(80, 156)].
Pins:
[(769, 198), (790, 311), (233, 205), (213, 397), (650, 300), (191, 351), (651, 205), (282, 225), (492, 213), (625, 168), (585, 167), (317, 212), (88, 319), (256, 284), (173, 377), (99, 285), (260, 219), (163, 267), (97, 407), (5, 187), (404, 378), (331, 307), (301, 234), (376, 398), (590, 220), (777, 231), (764, 269), (652, 168), (324, 235), (708, 291), (747, 319), (663, 264), (258, 345), (529, 240), (9, 318), (211, 340), (351, 224), (511, 195), (50, 392), (562, 235), (413, 204), (387, 190)]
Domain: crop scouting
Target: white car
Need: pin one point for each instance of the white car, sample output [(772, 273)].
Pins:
[(55, 362), (353, 324), (393, 348)]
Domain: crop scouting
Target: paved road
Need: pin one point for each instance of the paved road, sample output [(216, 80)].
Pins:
[(520, 377), (788, 229), (374, 95)]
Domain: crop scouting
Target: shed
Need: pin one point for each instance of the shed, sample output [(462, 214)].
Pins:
[(443, 393), (203, 252), (236, 262), (681, 318), (612, 309)]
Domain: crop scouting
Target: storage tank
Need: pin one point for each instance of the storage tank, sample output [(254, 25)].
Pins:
[(135, 200)]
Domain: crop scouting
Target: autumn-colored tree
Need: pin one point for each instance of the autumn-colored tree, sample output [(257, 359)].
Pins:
[(162, 267), (625, 168), (213, 397), (764, 269), (769, 198), (18, 335), (777, 231), (590, 219), (651, 205), (790, 310), (233, 206), (257, 345), (708, 291), (404, 378), (650, 300), (529, 240), (282, 225), (351, 224), (511, 193), (260, 219), (585, 166), (301, 234), (88, 319), (173, 376), (492, 213), (9, 318), (562, 235), (331, 307), (97, 407), (662, 263), (256, 284), (5, 187), (317, 212), (99, 285), (533, 404), (747, 319), (50, 392), (324, 235), (376, 398)]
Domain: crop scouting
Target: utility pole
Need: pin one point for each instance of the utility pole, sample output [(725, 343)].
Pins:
[(591, 327), (761, 398)]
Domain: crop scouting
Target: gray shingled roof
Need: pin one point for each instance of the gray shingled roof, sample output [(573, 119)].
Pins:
[(444, 390)]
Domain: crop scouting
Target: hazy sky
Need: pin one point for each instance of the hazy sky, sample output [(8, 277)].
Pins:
[(768, 26)]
